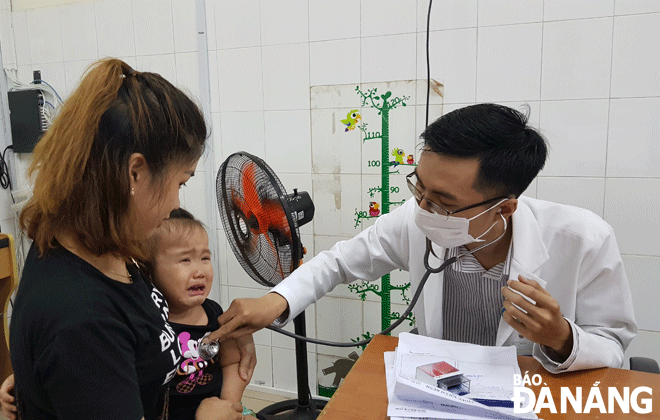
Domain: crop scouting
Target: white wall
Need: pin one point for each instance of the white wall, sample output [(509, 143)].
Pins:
[(590, 71)]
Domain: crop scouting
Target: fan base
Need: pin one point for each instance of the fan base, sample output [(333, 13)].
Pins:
[(292, 410)]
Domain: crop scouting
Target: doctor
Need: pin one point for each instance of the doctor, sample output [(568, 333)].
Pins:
[(550, 279)]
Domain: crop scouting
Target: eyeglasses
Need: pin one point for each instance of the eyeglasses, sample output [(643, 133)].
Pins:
[(412, 180)]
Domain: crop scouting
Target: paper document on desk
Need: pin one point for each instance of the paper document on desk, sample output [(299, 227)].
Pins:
[(490, 371)]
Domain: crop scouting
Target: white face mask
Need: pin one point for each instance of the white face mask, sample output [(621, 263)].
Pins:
[(450, 231)]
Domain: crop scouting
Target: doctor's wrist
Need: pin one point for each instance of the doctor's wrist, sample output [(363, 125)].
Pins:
[(562, 349), (279, 306)]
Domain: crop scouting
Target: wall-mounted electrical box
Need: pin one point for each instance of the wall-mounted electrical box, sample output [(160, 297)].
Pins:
[(27, 124)]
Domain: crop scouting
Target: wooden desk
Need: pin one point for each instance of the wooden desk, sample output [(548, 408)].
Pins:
[(363, 393)]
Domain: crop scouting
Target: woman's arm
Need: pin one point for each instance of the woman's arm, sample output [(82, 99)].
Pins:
[(94, 359)]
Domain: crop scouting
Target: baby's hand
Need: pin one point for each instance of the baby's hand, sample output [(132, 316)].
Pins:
[(214, 408), (7, 400)]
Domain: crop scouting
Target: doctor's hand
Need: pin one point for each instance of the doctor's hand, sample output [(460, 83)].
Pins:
[(7, 400), (246, 316), (543, 323)]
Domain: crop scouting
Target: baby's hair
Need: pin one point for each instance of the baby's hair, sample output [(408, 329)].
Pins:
[(180, 222), (185, 218)]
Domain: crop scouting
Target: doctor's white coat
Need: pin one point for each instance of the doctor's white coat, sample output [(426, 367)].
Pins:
[(570, 251)]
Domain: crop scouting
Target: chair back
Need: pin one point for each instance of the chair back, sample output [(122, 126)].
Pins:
[(8, 282)]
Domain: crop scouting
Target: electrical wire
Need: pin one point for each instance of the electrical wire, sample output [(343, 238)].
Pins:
[(429, 270), (428, 63), (59, 98), (5, 179)]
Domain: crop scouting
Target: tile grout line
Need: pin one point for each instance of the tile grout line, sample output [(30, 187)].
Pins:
[(609, 111)]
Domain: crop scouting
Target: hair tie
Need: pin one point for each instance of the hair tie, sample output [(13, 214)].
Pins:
[(130, 72)]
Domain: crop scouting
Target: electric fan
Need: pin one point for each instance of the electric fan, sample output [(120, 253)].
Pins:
[(261, 223)]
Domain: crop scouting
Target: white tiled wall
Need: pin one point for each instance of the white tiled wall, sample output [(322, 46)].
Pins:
[(497, 78), (586, 74), (589, 70)]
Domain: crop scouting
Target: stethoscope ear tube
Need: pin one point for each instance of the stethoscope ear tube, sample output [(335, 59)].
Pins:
[(208, 350), (429, 270), (403, 316), (439, 269)]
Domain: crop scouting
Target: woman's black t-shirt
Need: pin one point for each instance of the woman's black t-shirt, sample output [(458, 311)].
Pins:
[(84, 346), (195, 378)]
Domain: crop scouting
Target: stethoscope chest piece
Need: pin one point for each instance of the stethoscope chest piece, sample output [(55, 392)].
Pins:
[(208, 351)]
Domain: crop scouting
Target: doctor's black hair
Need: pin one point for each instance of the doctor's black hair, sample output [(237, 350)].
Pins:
[(510, 152)]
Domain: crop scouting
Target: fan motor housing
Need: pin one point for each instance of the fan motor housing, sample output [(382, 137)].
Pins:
[(302, 207)]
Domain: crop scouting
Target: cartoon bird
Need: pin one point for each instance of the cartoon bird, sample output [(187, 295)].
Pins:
[(373, 209), (351, 120), (398, 156), (411, 160)]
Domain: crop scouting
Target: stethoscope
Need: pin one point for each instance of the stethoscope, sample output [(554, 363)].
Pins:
[(209, 350)]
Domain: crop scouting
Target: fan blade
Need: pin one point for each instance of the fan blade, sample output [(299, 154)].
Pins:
[(253, 201), (277, 254), (277, 221), (250, 246), (240, 212), (269, 213), (239, 205), (249, 188)]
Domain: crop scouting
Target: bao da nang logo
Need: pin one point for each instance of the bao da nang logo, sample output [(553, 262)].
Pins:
[(599, 398)]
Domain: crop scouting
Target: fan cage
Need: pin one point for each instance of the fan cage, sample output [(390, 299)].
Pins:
[(267, 255)]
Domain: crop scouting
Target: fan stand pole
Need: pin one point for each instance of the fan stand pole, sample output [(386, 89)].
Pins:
[(305, 407)]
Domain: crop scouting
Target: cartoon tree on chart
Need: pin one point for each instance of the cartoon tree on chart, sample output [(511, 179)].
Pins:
[(384, 104)]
